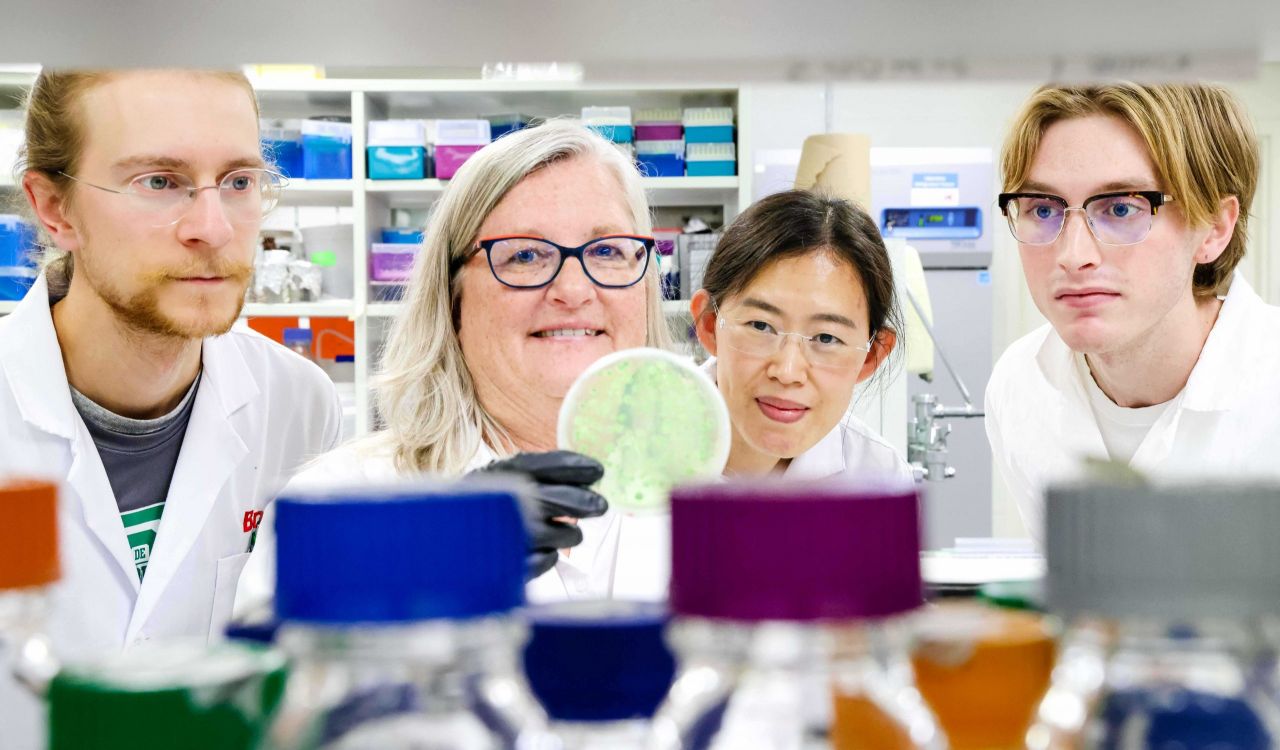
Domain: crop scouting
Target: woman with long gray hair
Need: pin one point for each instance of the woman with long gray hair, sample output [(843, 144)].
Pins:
[(537, 262)]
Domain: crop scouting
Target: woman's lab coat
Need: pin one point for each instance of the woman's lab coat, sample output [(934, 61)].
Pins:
[(260, 412), (1224, 424), (585, 573)]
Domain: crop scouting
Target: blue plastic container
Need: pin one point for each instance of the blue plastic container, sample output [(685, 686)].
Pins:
[(286, 155), (401, 236), (661, 165), (397, 162), (326, 150), (282, 145), (17, 268)]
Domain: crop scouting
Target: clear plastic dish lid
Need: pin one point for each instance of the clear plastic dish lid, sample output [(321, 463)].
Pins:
[(652, 419)]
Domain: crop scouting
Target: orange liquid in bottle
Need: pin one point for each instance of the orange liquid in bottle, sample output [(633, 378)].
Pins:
[(859, 724), (984, 685)]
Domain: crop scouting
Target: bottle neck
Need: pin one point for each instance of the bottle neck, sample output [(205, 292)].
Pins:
[(444, 644), (601, 735)]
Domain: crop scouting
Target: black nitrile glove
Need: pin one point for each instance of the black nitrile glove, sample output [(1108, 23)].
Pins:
[(562, 479)]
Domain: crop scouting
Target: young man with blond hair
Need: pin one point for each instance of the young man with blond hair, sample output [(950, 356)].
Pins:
[(120, 375), (1158, 354)]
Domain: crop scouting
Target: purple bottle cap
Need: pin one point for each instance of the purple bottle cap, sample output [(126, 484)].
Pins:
[(798, 551)]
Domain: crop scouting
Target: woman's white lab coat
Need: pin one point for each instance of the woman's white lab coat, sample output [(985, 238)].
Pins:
[(260, 412), (585, 573), (1224, 424)]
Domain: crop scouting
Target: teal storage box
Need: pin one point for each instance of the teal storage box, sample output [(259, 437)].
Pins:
[(710, 160), (709, 134), (397, 150), (708, 125), (397, 162), (614, 123)]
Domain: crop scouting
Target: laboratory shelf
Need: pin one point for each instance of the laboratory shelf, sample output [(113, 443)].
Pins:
[(662, 191), (334, 308), (302, 192)]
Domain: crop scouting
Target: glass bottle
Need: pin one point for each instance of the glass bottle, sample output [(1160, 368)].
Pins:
[(175, 694), (1165, 590), (600, 669), (396, 605), (789, 604), (29, 565)]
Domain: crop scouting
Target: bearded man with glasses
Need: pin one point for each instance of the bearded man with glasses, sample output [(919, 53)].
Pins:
[(1130, 205), (119, 374)]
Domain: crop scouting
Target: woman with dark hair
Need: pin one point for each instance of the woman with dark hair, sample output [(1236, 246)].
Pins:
[(797, 308)]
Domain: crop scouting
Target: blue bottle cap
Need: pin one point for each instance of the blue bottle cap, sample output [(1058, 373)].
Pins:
[(399, 552), (599, 661)]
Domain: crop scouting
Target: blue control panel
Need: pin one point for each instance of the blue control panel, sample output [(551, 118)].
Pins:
[(949, 223)]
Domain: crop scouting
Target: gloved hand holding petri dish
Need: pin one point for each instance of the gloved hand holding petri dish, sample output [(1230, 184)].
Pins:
[(652, 419)]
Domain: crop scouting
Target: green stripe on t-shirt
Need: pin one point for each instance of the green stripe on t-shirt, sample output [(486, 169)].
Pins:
[(140, 529), (142, 515)]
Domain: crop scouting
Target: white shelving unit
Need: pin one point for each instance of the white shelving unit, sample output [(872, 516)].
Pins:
[(373, 201)]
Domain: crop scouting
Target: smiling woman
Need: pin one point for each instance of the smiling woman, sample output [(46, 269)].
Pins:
[(535, 265), (798, 308)]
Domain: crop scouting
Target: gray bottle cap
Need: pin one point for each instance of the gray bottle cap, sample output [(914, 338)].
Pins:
[(1176, 553)]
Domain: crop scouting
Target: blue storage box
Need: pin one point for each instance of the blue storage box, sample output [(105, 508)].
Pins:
[(661, 165), (17, 240), (660, 158), (326, 150), (397, 162), (401, 236), (282, 143), (15, 282), (500, 125)]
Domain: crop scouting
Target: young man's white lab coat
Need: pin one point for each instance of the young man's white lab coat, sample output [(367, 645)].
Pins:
[(260, 412), (1225, 423)]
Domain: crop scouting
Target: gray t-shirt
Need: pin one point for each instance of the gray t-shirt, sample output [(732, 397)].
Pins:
[(139, 456)]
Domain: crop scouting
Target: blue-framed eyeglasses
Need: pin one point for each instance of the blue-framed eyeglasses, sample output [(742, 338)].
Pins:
[(615, 261)]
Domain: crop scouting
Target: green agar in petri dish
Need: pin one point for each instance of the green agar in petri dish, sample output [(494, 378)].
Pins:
[(652, 425)]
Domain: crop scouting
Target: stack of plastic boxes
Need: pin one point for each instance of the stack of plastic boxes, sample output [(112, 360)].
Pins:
[(391, 262), (614, 123), (456, 141), (282, 141), (660, 143), (326, 150), (709, 149), (397, 150)]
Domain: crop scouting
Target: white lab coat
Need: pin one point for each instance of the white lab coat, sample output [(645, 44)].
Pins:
[(1224, 424), (260, 412)]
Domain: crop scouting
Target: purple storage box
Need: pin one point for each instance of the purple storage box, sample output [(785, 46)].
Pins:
[(666, 131), (449, 158), (391, 262)]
